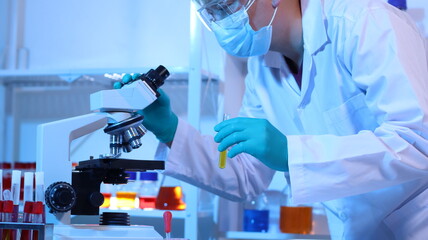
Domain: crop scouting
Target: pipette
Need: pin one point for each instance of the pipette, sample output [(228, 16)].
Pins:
[(223, 155), (167, 216)]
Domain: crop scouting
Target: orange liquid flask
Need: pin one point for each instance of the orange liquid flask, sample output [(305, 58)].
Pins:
[(170, 195), (170, 198), (295, 220)]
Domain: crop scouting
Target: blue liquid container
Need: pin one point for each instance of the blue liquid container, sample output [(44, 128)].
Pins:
[(256, 220), (400, 4)]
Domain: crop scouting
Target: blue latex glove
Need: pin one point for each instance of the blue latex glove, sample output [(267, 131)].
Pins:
[(158, 117), (256, 137)]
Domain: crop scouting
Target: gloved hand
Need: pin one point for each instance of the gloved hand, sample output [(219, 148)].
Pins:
[(158, 117), (256, 137)]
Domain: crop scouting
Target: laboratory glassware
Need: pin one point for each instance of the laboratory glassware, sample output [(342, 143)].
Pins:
[(127, 193), (256, 214), (223, 154), (107, 192), (294, 218), (148, 190), (170, 195)]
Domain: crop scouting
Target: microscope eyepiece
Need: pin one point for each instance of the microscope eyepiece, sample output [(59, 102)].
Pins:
[(156, 77)]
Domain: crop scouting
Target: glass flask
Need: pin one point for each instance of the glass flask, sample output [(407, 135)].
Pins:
[(294, 218), (170, 195), (127, 193), (148, 190), (256, 214), (107, 191)]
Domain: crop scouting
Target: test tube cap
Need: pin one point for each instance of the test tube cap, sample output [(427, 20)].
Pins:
[(150, 176), (38, 207), (8, 206)]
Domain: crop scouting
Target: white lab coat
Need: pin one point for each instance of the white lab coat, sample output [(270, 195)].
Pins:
[(357, 130)]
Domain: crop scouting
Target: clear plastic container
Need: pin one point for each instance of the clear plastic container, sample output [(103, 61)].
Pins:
[(256, 214), (127, 193), (148, 190), (170, 195), (294, 218)]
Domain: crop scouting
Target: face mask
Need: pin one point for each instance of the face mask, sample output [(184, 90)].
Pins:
[(236, 36)]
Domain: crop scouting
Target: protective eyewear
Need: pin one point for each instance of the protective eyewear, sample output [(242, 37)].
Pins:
[(219, 10)]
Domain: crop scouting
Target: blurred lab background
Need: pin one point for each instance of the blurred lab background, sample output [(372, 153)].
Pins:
[(54, 54)]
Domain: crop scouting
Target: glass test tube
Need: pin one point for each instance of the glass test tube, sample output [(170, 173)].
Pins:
[(223, 154)]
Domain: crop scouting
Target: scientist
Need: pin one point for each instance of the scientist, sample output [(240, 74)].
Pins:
[(336, 97)]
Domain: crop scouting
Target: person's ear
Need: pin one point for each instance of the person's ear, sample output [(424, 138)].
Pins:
[(275, 3)]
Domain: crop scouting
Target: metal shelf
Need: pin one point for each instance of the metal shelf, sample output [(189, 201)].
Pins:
[(98, 74), (155, 213)]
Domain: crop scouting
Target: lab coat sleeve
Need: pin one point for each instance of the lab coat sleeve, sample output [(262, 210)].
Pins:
[(385, 55), (193, 158)]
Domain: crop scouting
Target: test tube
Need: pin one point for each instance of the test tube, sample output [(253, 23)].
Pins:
[(223, 155), (40, 192), (1, 185), (28, 203), (1, 201), (16, 192)]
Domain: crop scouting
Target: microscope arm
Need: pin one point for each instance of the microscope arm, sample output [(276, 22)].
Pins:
[(53, 148)]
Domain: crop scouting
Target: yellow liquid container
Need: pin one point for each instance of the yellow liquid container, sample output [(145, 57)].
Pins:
[(223, 155), (125, 200), (222, 159), (106, 203), (126, 195)]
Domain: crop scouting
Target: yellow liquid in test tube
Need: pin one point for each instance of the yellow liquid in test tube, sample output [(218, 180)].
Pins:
[(222, 159), (223, 155)]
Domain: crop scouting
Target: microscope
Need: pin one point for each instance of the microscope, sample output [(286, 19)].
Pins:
[(77, 191)]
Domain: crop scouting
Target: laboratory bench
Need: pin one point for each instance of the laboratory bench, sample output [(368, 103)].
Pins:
[(271, 236)]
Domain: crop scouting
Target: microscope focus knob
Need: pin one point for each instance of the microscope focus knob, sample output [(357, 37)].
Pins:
[(96, 199), (60, 197)]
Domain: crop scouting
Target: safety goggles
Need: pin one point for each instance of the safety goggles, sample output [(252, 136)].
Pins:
[(214, 11)]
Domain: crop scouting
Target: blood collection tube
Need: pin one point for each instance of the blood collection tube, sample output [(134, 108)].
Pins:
[(16, 190), (9, 234), (28, 203), (37, 216), (1, 201), (223, 154), (40, 192)]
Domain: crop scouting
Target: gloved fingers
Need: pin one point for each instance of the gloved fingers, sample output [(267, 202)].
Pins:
[(126, 79), (240, 121), (117, 85), (135, 76), (230, 126), (232, 139), (242, 147)]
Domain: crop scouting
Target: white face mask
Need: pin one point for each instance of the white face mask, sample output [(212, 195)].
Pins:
[(236, 36)]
